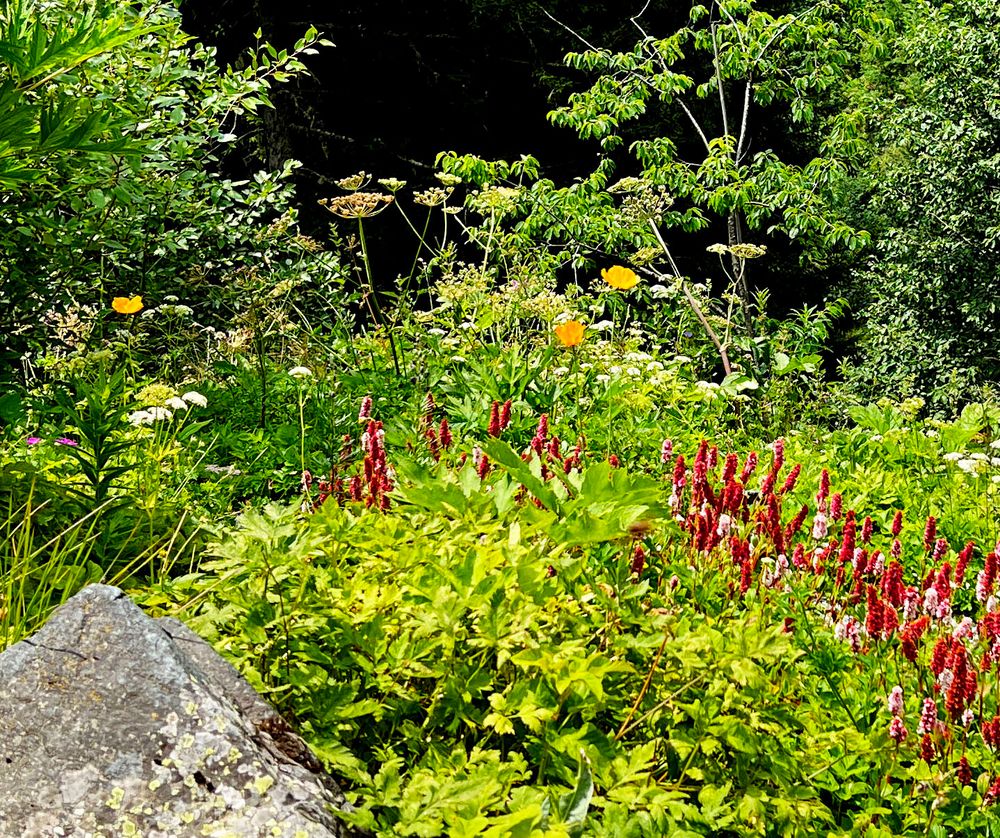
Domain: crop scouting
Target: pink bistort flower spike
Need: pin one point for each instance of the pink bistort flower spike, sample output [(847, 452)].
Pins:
[(824, 487), (365, 412), (928, 717), (666, 451), (895, 701), (897, 730)]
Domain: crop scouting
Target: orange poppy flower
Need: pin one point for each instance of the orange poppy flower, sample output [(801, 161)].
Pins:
[(570, 333), (127, 305), (620, 277)]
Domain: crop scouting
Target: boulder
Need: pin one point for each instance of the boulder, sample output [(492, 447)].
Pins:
[(115, 724)]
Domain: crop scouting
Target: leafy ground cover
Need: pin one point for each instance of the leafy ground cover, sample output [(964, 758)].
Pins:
[(537, 542)]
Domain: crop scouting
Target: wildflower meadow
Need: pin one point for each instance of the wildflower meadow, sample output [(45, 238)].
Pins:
[(570, 527)]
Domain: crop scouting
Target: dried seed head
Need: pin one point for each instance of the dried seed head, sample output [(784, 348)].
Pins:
[(357, 204)]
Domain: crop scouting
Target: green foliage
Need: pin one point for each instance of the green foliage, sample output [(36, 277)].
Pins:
[(144, 211), (927, 297)]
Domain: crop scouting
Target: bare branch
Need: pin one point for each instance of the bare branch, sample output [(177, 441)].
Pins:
[(693, 303)]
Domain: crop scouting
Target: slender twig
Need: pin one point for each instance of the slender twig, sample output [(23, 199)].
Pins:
[(693, 303)]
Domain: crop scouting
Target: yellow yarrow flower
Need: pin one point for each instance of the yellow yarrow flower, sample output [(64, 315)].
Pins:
[(570, 333), (127, 305), (620, 277)]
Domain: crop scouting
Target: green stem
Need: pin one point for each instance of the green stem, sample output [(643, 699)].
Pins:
[(376, 310)]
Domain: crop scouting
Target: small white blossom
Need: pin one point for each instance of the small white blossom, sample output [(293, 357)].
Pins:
[(300, 372), (140, 417), (175, 403), (195, 398)]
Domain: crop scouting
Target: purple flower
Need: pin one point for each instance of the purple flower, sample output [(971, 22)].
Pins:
[(33, 440), (66, 441)]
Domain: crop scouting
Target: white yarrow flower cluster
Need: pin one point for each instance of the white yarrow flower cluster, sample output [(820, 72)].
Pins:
[(300, 372), (195, 398), (149, 416)]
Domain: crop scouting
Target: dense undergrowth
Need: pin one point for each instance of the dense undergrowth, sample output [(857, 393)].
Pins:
[(538, 543)]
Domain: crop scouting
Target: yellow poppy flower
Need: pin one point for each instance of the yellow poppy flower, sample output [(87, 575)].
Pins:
[(127, 305), (620, 277), (570, 333)]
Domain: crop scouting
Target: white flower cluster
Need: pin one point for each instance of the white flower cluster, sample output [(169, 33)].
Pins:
[(152, 415), (975, 463)]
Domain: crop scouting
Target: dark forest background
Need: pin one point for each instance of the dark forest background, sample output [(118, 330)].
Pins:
[(408, 80)]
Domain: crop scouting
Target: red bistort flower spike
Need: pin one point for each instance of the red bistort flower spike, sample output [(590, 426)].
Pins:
[(824, 487), (484, 467), (963, 773), (505, 415), (955, 699), (930, 532), (432, 444), (494, 425), (444, 434), (836, 506), (963, 562), (748, 467), (796, 523), (847, 545), (940, 548), (940, 655), (911, 636), (992, 793), (991, 732), (892, 584), (746, 575), (927, 749), (897, 730), (779, 455), (897, 524), (365, 411), (791, 479), (866, 530), (638, 559), (874, 617)]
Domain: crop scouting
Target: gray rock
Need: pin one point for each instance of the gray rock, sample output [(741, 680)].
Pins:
[(114, 724)]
